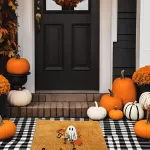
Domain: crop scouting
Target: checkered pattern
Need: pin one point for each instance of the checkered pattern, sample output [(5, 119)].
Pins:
[(118, 134)]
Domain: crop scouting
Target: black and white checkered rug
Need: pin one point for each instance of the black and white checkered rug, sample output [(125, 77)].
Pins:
[(119, 135)]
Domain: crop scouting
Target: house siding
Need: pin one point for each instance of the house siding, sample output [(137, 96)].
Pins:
[(124, 50)]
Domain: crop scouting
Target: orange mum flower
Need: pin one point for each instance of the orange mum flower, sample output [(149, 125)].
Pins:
[(142, 76), (4, 85)]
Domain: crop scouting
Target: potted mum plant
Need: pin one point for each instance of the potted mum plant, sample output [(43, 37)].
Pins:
[(68, 4), (141, 78), (4, 90)]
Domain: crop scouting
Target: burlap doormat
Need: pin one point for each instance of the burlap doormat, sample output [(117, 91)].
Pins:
[(45, 136)]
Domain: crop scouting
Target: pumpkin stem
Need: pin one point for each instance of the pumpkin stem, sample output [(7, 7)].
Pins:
[(122, 74), (148, 115), (110, 92), (116, 108), (18, 56), (96, 105), (134, 102), (1, 121), (19, 89)]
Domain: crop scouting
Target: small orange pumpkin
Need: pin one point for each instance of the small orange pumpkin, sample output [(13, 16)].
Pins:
[(109, 101), (124, 88), (116, 114), (17, 65), (7, 129), (142, 127)]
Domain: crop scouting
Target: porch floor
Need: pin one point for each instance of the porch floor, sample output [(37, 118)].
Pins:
[(118, 134)]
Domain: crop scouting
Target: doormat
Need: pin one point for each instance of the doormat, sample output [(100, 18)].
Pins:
[(68, 135)]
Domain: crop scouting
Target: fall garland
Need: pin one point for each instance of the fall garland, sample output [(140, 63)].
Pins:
[(8, 28)]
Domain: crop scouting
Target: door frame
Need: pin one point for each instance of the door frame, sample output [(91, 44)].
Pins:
[(108, 35)]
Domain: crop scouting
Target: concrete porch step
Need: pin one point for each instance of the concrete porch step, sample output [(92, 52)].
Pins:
[(55, 105)]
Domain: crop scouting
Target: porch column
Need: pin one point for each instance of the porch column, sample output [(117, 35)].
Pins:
[(26, 37), (143, 33)]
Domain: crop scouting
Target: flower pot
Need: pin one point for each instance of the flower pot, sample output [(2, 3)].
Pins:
[(67, 7), (17, 80), (3, 102), (141, 89)]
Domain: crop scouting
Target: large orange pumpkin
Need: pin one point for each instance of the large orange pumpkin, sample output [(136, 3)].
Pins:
[(7, 129), (142, 127), (18, 65), (124, 88), (109, 101)]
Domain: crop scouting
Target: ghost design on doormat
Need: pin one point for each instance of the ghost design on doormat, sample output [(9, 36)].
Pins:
[(71, 133)]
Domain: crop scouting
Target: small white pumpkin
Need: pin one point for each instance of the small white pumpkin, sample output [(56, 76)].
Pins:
[(96, 113), (144, 100), (133, 111), (19, 97)]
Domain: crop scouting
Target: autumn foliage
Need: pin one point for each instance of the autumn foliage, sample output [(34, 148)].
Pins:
[(142, 76), (8, 28)]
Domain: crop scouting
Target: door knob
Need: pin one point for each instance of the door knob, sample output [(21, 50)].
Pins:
[(38, 18)]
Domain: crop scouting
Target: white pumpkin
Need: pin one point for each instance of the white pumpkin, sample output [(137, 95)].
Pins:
[(133, 111), (144, 100), (19, 97), (96, 113)]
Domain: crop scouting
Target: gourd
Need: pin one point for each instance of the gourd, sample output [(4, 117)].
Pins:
[(124, 88), (116, 114), (109, 101), (144, 100), (142, 127), (96, 113), (19, 97), (17, 65), (7, 129), (133, 111)]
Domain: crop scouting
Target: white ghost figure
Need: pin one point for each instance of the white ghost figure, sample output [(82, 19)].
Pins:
[(71, 133)]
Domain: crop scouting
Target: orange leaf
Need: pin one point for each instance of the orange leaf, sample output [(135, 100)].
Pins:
[(3, 31)]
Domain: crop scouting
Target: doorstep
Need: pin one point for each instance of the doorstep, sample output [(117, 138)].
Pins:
[(55, 105)]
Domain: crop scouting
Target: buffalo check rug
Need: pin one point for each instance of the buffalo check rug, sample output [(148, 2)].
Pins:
[(119, 135)]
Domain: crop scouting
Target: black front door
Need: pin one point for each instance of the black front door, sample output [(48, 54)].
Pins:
[(67, 48)]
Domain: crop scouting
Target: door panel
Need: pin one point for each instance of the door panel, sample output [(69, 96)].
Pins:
[(81, 54), (53, 47), (67, 49)]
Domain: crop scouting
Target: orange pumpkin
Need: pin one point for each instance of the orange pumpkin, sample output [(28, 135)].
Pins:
[(109, 101), (142, 127), (116, 114), (7, 129), (18, 65), (124, 88)]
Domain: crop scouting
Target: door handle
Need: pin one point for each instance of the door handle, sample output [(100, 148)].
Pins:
[(38, 15), (38, 19)]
